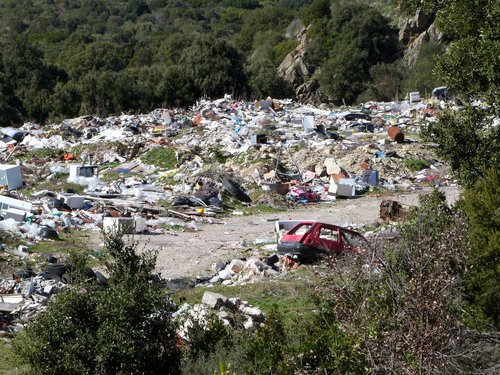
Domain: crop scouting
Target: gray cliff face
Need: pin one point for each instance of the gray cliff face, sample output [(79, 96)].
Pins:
[(294, 69), (414, 32)]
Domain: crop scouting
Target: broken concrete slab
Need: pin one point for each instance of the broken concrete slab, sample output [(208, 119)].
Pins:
[(214, 300)]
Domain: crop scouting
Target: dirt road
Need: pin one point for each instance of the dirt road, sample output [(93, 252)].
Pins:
[(192, 253)]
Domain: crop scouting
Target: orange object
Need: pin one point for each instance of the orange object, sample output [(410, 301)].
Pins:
[(396, 134), (364, 165), (69, 157)]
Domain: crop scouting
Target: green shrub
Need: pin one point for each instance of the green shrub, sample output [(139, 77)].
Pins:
[(481, 204), (124, 328), (162, 157)]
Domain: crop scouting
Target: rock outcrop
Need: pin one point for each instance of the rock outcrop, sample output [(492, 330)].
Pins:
[(293, 69), (414, 32)]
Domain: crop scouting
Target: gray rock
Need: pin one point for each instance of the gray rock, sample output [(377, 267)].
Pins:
[(218, 266), (249, 325), (235, 266), (214, 279), (214, 300), (253, 312), (234, 302), (23, 248)]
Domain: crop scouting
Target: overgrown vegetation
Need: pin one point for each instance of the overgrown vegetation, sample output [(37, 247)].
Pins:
[(124, 327)]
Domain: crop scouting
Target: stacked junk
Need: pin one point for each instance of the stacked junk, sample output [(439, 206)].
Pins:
[(188, 168)]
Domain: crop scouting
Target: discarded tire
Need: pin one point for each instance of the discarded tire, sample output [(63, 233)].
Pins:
[(396, 134), (236, 191)]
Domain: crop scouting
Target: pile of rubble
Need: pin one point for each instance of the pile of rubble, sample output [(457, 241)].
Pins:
[(26, 293), (134, 169), (229, 311), (243, 271)]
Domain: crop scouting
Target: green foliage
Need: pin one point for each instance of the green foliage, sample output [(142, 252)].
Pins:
[(162, 157), (265, 82), (284, 48), (385, 82), (356, 38), (213, 67), (202, 339), (416, 165), (122, 328), (405, 304), (267, 349), (468, 142), (481, 204)]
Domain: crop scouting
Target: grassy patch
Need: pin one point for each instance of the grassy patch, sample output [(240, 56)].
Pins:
[(74, 240), (218, 155), (416, 165), (44, 154), (175, 228), (55, 185), (10, 364), (162, 157), (291, 293)]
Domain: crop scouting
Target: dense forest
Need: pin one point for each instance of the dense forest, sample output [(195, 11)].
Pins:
[(61, 58)]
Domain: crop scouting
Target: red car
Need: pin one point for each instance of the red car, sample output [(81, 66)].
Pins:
[(311, 240)]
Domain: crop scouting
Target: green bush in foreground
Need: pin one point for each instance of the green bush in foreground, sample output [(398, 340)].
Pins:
[(124, 328)]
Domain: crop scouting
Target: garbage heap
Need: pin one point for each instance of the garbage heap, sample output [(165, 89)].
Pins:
[(137, 170)]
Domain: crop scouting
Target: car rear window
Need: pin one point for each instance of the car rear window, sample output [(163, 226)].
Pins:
[(301, 229)]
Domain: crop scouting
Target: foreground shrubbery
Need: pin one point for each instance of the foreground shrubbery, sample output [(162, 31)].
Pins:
[(124, 328)]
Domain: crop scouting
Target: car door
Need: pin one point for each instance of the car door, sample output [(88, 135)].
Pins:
[(327, 238)]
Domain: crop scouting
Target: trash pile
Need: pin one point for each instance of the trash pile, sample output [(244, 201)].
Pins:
[(243, 271), (131, 169), (228, 310), (26, 293)]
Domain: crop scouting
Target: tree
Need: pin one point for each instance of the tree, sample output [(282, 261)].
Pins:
[(468, 141), (214, 67), (422, 77), (481, 205), (124, 328), (356, 38), (25, 72)]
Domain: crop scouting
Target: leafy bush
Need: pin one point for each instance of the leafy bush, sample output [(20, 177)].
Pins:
[(468, 142), (481, 204), (405, 305), (124, 328)]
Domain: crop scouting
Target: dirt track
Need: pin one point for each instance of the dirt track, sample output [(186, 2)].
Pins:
[(192, 253)]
